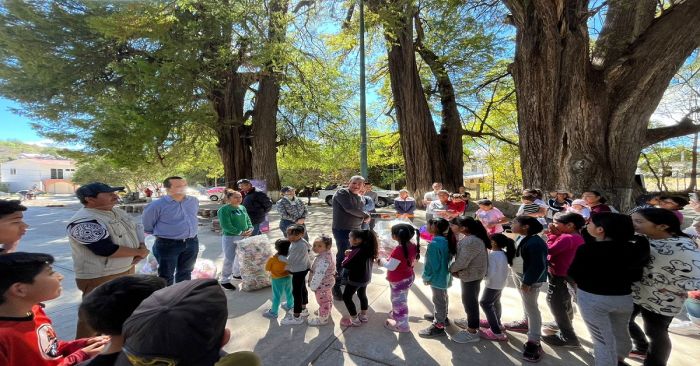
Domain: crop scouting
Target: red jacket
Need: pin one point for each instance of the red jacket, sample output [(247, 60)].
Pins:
[(32, 341), (561, 252)]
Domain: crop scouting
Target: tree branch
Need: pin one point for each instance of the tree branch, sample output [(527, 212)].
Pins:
[(653, 59), (624, 22), (684, 127)]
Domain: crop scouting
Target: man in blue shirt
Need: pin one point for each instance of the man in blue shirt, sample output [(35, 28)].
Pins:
[(173, 221)]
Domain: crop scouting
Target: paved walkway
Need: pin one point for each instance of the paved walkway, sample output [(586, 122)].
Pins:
[(370, 344)]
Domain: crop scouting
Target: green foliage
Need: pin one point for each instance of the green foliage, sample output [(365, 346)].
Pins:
[(11, 149)]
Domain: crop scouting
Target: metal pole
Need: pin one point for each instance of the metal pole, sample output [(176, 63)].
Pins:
[(363, 107)]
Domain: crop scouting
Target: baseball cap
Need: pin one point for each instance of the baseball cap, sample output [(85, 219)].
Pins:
[(179, 325), (579, 202), (243, 181), (94, 188), (286, 189)]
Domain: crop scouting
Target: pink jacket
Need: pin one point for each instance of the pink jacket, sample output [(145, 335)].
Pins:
[(561, 252), (322, 276)]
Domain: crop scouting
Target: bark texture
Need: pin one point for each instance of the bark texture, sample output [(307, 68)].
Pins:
[(583, 119), (233, 135), (420, 143), (264, 141)]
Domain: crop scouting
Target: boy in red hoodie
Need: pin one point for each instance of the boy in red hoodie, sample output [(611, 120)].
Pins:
[(26, 334)]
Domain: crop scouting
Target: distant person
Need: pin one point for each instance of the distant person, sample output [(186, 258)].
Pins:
[(173, 221), (674, 204), (491, 217), (292, 210), (105, 241), (370, 199), (348, 215), (110, 304), (559, 203), (148, 192), (256, 202), (191, 332), (27, 336), (646, 201), (405, 206), (595, 202), (12, 225), (579, 206), (430, 197)]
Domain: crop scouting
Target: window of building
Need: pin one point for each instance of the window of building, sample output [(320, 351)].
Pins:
[(13, 171), (56, 173)]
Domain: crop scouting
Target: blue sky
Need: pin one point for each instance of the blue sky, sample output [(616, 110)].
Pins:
[(16, 127)]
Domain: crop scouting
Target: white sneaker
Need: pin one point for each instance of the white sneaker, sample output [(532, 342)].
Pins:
[(289, 319), (317, 321), (304, 313)]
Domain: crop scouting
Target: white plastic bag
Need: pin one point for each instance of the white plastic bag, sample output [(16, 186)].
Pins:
[(251, 254)]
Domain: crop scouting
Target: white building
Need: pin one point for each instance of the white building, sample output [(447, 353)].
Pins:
[(46, 173)]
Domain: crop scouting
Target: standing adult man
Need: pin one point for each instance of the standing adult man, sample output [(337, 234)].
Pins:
[(257, 203), (429, 197), (348, 215), (173, 221), (105, 241)]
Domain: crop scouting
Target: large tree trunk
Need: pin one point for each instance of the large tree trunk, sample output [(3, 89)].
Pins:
[(420, 143), (266, 102), (583, 124), (233, 136), (451, 130)]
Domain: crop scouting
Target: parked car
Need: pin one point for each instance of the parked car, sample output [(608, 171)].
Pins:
[(216, 193), (385, 197)]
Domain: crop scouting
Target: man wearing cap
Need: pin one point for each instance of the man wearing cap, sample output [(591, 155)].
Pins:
[(105, 241), (172, 219), (257, 203), (184, 324)]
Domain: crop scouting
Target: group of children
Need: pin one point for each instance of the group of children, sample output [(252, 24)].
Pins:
[(617, 266)]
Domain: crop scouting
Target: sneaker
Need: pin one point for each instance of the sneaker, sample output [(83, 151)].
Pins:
[(304, 313), (317, 321), (292, 320), (636, 354), (550, 328), (517, 326), (363, 317), (391, 325), (483, 323), (434, 330), (491, 336), (557, 340), (286, 307), (431, 317), (465, 337), (350, 322), (337, 293), (237, 277), (532, 352), (269, 314), (228, 286)]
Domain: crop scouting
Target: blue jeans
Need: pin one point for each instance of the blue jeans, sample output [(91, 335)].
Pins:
[(229, 244), (175, 258), (342, 242), (256, 229)]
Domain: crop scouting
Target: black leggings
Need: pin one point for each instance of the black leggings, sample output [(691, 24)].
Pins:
[(299, 292), (361, 294)]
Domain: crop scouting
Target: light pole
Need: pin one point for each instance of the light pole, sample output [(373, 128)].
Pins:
[(363, 107)]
